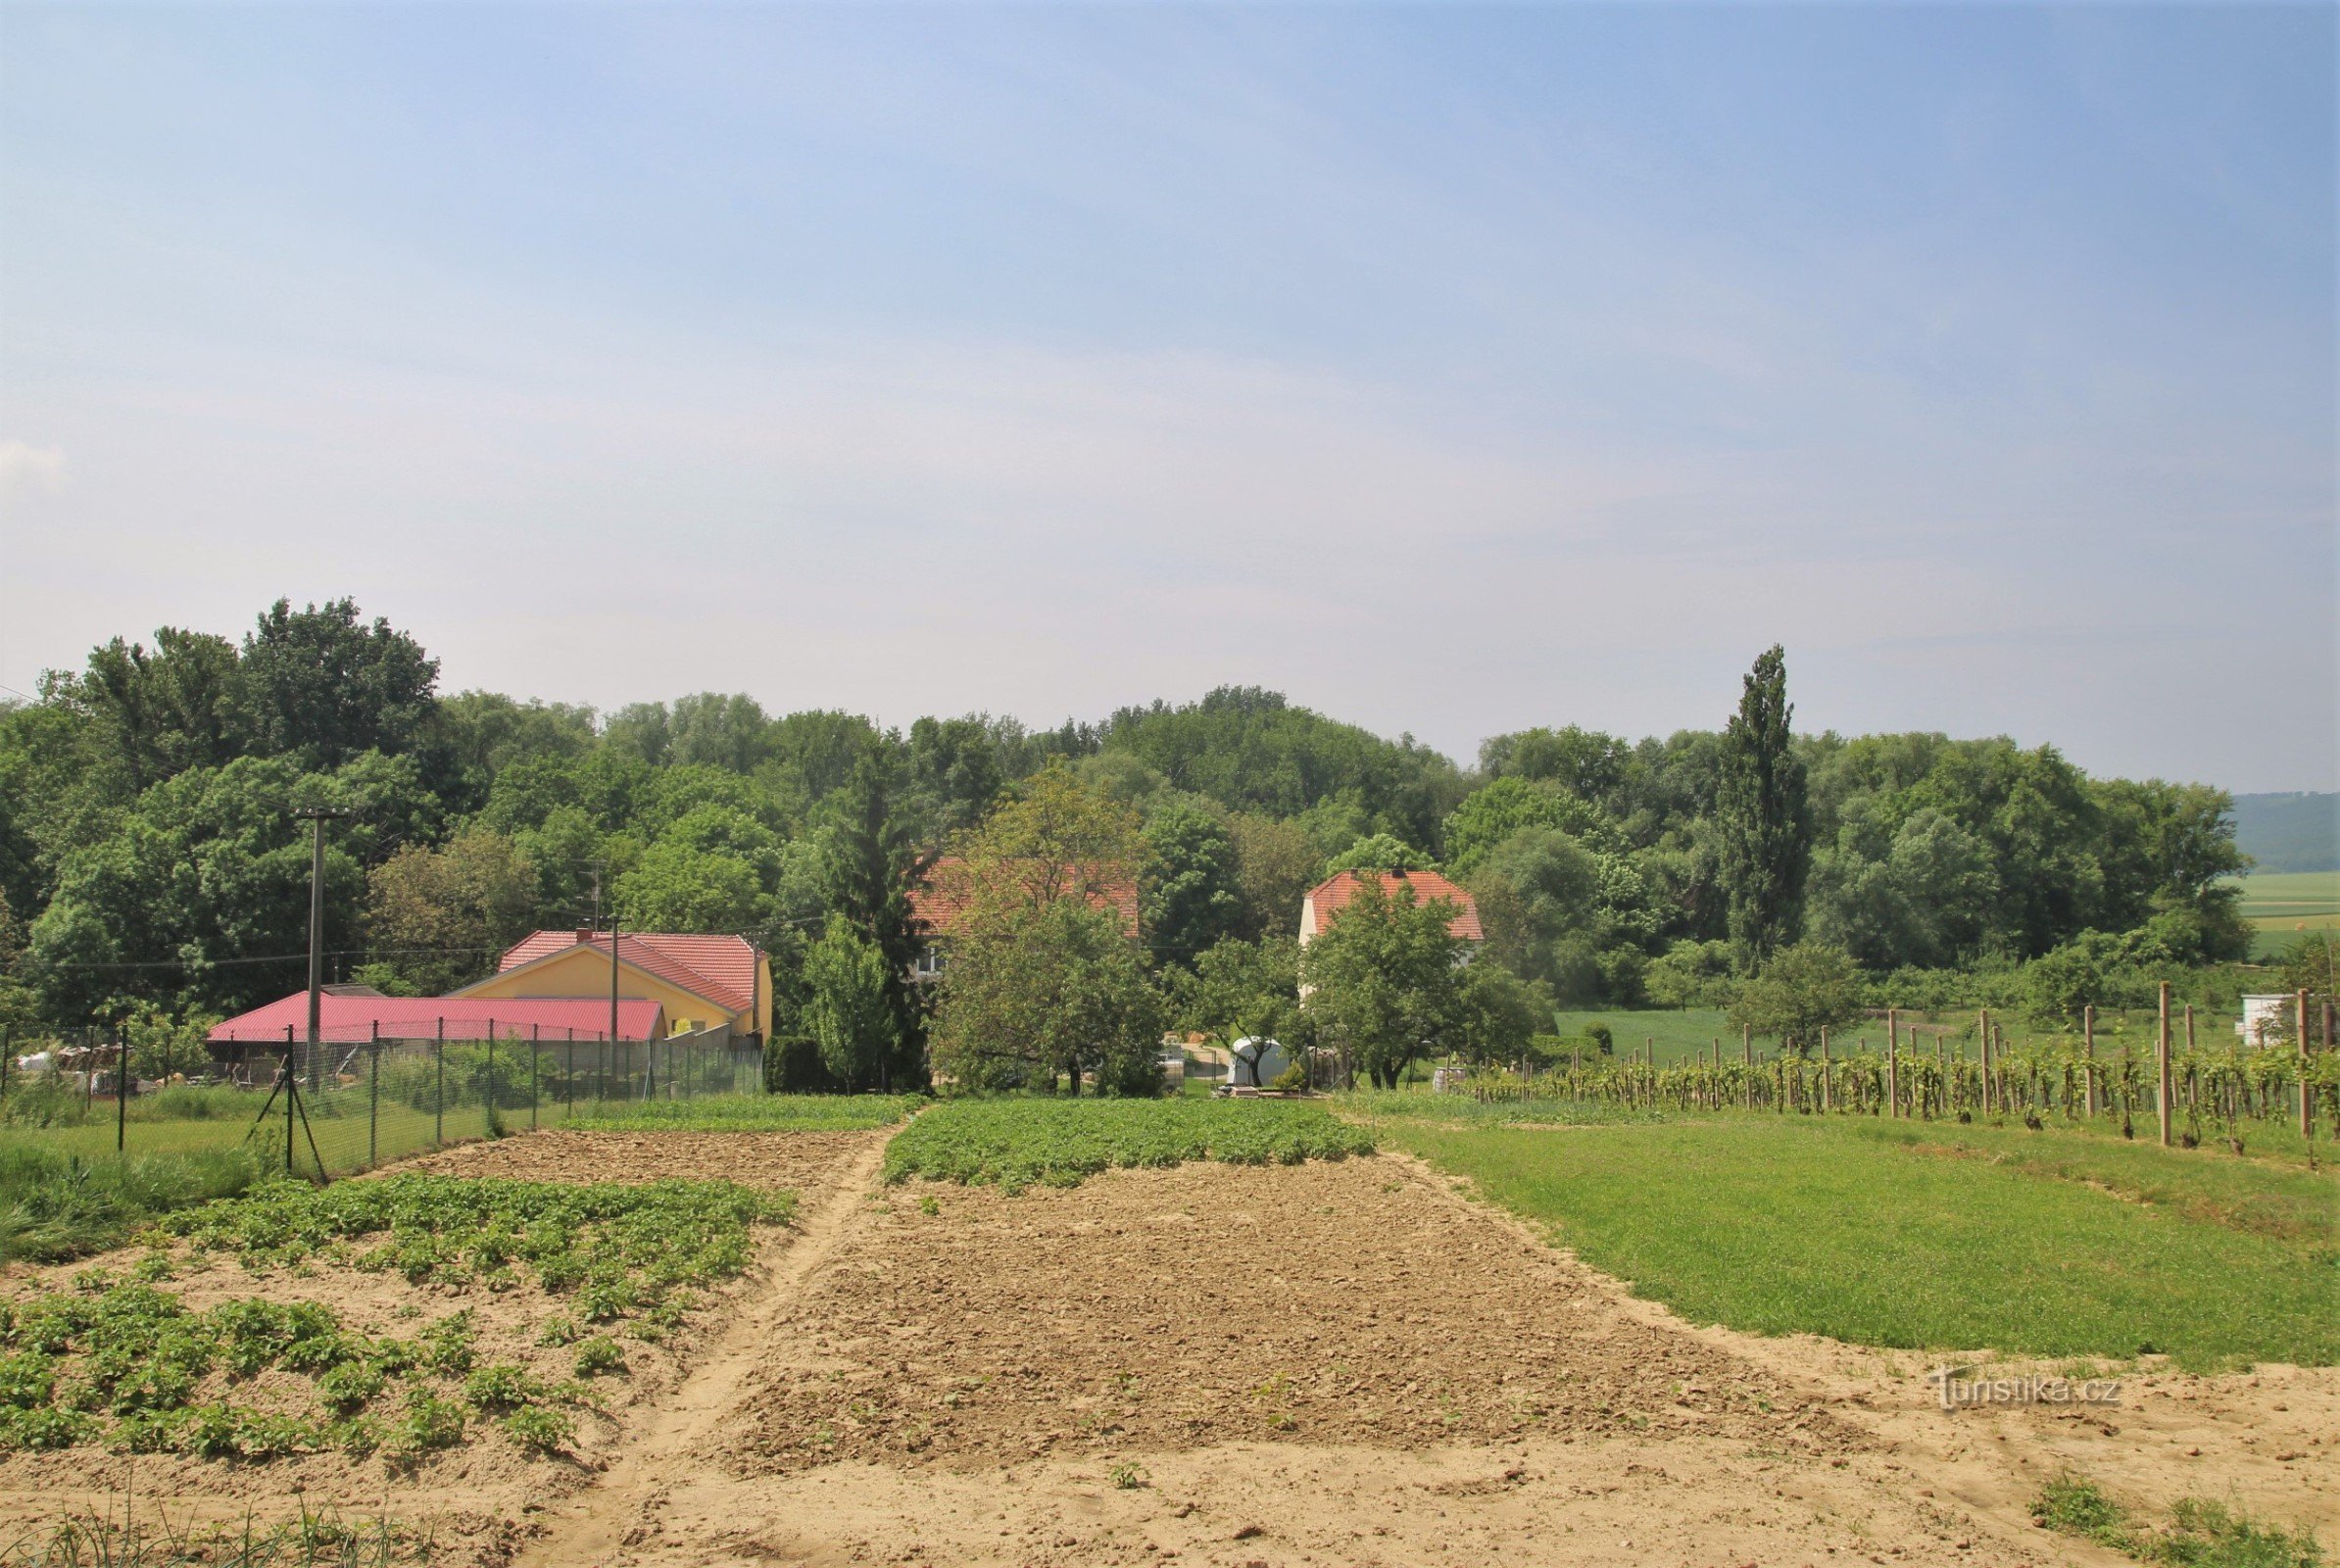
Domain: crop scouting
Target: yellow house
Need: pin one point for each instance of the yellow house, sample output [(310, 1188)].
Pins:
[(700, 982)]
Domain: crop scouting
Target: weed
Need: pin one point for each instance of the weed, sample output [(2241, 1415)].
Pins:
[(1126, 1477)]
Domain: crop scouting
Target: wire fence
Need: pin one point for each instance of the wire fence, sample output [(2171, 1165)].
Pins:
[(344, 1105)]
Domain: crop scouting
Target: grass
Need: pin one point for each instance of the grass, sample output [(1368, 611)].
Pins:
[(1015, 1144), (55, 1205), (314, 1539), (1371, 1105), (2198, 1534), (747, 1113), (1929, 1237)]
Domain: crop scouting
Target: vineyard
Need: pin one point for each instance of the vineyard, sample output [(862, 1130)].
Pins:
[(1015, 1144), (2222, 1091)]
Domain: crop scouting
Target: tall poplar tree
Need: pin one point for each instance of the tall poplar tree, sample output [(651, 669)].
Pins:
[(1762, 818)]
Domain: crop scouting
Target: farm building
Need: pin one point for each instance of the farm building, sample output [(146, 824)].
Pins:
[(700, 982)]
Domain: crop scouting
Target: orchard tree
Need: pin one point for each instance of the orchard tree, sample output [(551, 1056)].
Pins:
[(1385, 987), (1501, 1013), (1764, 818), (1241, 989), (1040, 993), (1803, 990), (1276, 863)]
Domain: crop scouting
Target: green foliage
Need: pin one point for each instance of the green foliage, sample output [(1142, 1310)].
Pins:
[(1513, 804), (1379, 852), (1801, 991), (1057, 992), (598, 1355), (1385, 985), (1191, 899), (1016, 1144), (848, 1005), (2199, 1534), (1499, 1013), (1762, 815), (776, 1113), (1239, 989), (56, 1206)]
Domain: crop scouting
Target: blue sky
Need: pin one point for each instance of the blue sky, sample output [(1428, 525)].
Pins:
[(1454, 369)]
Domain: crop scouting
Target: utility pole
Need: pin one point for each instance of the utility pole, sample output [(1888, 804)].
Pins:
[(317, 816)]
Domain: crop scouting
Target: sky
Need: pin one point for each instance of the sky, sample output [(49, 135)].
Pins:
[(1453, 368)]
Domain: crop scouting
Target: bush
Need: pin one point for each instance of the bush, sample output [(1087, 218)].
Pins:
[(1602, 1037)]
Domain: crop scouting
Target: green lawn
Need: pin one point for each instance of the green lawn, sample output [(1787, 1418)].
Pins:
[(1932, 1236)]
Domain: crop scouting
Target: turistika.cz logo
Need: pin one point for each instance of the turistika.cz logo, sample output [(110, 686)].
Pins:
[(1958, 1392)]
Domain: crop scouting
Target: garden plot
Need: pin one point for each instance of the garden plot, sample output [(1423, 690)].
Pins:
[(1327, 1363), (446, 1345)]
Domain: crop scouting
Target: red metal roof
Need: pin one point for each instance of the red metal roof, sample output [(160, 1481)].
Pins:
[(941, 899), (722, 969), (349, 1018), (1333, 895)]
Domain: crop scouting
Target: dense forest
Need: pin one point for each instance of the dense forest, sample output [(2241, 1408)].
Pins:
[(150, 862)]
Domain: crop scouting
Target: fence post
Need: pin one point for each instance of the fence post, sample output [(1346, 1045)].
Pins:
[(438, 1098), (2088, 1054), (121, 1081), (488, 1113), (373, 1102), (2162, 1054), (534, 1030), (1746, 1046), (292, 1087), (650, 1070), (2307, 1105)]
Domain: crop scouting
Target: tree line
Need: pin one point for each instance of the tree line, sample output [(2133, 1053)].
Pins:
[(150, 863)]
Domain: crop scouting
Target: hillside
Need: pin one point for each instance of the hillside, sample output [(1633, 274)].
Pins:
[(2298, 831)]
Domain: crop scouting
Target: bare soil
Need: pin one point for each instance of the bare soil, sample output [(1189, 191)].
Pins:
[(475, 1500), (1332, 1363)]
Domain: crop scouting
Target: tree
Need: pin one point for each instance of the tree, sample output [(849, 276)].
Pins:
[(162, 712), (1379, 852), (1045, 978), (321, 687), (675, 887), (1382, 980), (1240, 989), (1500, 1012), (1689, 974), (871, 864), (1190, 901), (1763, 815), (1804, 989), (848, 1005), (1048, 991), (439, 916), (1276, 863), (1509, 806)]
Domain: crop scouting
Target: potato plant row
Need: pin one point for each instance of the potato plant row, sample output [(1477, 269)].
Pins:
[(127, 1363), (1015, 1144)]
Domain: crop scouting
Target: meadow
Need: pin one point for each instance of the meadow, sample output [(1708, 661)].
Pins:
[(1929, 1236)]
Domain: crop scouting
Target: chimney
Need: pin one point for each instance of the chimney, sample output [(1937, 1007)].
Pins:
[(584, 936)]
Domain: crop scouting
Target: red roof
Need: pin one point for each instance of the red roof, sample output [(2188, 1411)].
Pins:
[(350, 1018), (722, 969), (1333, 895), (941, 899)]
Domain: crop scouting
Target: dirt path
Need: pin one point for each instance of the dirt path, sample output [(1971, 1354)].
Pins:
[(592, 1527)]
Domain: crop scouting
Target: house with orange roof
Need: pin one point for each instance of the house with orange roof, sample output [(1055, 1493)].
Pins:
[(700, 982), (1329, 898)]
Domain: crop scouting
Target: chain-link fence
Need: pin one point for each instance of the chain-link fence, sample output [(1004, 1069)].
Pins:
[(345, 1104)]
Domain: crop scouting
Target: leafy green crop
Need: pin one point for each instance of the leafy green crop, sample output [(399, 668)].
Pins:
[(130, 1363), (783, 1113), (1016, 1143)]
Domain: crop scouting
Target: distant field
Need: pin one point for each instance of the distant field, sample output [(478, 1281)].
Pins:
[(1677, 1036), (2284, 905)]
